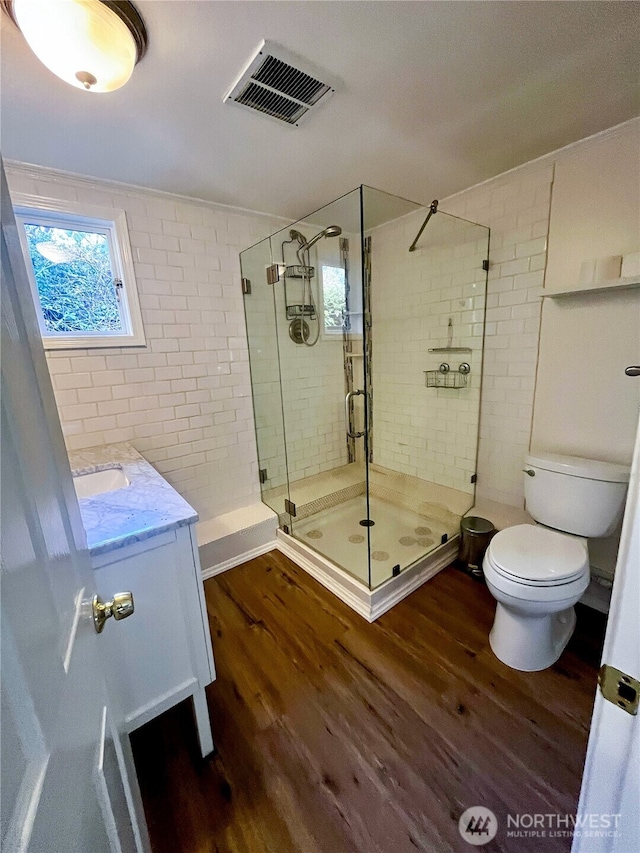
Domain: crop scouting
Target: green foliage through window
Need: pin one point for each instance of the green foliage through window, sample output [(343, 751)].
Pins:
[(74, 279), (334, 298)]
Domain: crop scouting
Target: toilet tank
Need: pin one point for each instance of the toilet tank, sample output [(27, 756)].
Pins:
[(575, 495)]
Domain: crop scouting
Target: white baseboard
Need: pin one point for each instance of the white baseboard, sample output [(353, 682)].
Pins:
[(235, 537), (238, 560), (597, 597)]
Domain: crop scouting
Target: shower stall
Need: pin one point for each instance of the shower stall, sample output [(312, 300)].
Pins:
[(366, 331)]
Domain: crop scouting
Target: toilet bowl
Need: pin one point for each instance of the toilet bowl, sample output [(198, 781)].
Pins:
[(536, 576), (538, 572)]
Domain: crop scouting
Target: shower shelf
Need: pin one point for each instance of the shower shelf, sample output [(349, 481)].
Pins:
[(452, 379), (299, 271), (449, 347)]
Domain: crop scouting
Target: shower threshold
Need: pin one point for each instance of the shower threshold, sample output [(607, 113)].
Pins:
[(369, 603)]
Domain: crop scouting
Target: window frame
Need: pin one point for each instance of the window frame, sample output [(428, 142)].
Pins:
[(61, 213)]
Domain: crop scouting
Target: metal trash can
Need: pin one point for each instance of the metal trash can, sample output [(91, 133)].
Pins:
[(476, 535)]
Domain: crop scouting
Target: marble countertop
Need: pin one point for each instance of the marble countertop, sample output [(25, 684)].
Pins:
[(144, 508)]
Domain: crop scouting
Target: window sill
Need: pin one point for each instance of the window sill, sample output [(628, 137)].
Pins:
[(94, 342)]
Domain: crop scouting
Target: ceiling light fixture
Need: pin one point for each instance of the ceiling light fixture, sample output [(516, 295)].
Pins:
[(91, 44)]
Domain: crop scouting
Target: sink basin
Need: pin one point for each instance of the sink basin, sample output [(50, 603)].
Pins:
[(99, 482)]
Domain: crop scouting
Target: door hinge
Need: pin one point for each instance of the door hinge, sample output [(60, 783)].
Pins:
[(485, 265), (474, 478), (262, 474), (246, 286), (619, 688), (274, 272), (290, 507)]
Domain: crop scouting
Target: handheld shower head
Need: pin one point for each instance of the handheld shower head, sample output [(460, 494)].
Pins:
[(330, 231)]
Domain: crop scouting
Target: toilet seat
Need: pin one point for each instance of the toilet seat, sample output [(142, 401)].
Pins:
[(537, 556)]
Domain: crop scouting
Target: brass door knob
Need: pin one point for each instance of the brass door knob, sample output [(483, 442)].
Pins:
[(120, 606)]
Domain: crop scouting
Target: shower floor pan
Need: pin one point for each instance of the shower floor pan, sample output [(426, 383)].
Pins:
[(397, 537)]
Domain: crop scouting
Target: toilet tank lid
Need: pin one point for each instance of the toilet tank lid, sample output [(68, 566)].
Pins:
[(577, 466)]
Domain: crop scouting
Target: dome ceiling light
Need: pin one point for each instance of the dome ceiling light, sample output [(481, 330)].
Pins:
[(91, 44)]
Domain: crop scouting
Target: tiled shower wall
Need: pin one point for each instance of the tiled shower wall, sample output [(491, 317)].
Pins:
[(184, 400), (313, 398), (429, 433), (516, 207), (309, 408)]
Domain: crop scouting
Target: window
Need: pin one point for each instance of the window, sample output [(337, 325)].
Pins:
[(333, 299), (334, 303), (81, 272)]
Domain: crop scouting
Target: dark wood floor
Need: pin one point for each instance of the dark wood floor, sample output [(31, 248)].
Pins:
[(336, 736)]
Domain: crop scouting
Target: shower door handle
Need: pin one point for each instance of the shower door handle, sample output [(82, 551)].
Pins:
[(347, 413)]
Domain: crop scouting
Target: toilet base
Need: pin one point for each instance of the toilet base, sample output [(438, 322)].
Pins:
[(530, 642)]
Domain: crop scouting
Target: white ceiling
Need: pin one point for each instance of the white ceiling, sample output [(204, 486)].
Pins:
[(434, 97)]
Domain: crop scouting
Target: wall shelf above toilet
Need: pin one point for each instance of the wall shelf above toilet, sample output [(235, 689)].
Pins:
[(614, 284)]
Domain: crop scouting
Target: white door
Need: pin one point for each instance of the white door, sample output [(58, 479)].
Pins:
[(65, 784), (609, 806)]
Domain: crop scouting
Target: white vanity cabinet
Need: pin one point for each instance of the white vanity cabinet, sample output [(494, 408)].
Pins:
[(162, 653)]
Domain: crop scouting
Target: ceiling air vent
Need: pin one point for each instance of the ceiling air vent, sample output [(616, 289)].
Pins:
[(278, 85)]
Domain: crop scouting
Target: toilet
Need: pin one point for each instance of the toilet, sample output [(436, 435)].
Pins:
[(538, 572)]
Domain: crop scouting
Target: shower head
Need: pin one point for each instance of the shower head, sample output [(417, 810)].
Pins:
[(330, 231)]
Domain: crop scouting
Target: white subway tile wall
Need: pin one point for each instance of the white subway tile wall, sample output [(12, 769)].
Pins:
[(312, 396), (309, 405), (184, 400), (429, 433), (516, 207)]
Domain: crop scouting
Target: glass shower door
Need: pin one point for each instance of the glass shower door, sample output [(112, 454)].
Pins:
[(425, 348), (318, 309), (264, 361)]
